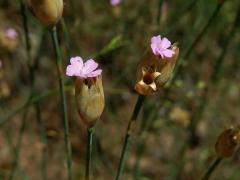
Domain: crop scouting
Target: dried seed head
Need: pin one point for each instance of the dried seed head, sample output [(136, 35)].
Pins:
[(48, 12), (227, 142), (89, 99), (154, 71)]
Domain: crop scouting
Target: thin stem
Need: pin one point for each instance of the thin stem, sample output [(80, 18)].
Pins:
[(211, 169), (63, 101), (31, 70), (130, 128), (215, 77), (89, 153), (187, 53)]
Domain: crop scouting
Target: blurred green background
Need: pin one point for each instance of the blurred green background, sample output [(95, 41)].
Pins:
[(204, 94)]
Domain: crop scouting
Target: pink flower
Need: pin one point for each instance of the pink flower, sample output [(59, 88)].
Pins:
[(115, 2), (11, 33), (83, 70), (161, 47)]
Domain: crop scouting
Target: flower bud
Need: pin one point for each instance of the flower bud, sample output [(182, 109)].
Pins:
[(48, 12), (89, 98), (154, 71), (8, 39), (227, 142)]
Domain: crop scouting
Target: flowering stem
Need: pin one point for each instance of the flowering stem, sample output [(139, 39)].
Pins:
[(128, 135), (31, 70), (89, 153), (63, 101), (212, 168)]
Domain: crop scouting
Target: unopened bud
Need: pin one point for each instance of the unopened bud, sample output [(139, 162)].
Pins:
[(227, 142), (90, 99), (48, 12)]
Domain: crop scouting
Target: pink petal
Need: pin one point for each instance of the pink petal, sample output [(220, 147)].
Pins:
[(115, 2), (165, 43), (77, 61), (95, 73), (154, 49), (75, 67), (71, 70), (89, 66), (156, 39), (168, 53)]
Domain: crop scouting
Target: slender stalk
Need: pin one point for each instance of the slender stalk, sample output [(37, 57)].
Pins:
[(89, 153), (215, 77), (130, 128), (189, 50), (31, 70), (211, 169), (63, 101)]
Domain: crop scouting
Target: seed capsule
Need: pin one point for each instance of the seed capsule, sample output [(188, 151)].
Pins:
[(227, 142)]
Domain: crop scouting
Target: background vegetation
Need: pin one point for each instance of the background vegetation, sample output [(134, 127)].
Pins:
[(178, 127)]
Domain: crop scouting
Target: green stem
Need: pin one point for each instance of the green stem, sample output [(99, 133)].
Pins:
[(63, 101), (211, 169), (89, 153), (187, 53), (31, 70), (215, 77), (128, 135)]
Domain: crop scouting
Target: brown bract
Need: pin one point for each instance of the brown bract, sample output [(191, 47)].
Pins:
[(227, 142), (48, 12), (153, 72), (89, 99)]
